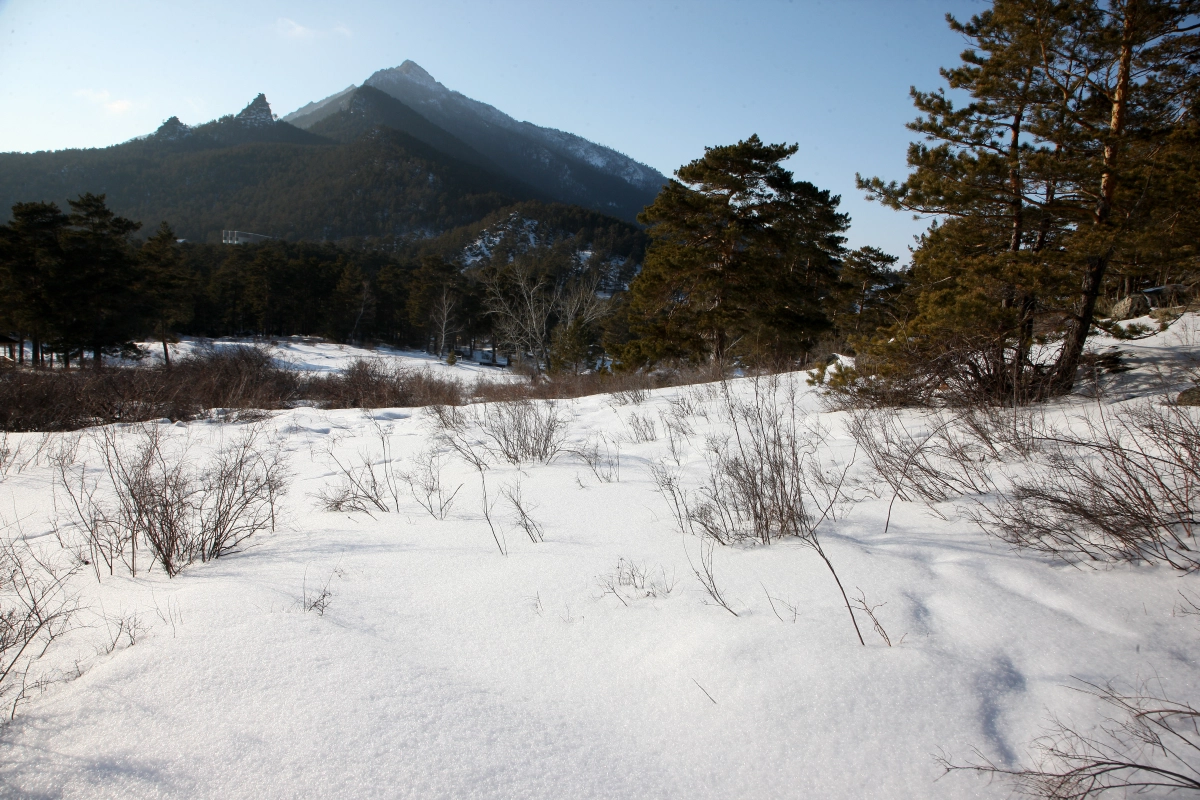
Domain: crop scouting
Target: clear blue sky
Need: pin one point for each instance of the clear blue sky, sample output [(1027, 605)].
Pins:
[(655, 80)]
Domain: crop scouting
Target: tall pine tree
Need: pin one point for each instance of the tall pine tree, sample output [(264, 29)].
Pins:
[(741, 258), (1050, 174)]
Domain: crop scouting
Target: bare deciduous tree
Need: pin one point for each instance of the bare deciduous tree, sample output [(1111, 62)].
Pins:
[(521, 300)]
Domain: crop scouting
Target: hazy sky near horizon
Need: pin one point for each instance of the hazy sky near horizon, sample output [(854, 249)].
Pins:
[(656, 80)]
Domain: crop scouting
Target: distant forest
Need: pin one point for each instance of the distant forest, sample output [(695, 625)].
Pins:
[(83, 283)]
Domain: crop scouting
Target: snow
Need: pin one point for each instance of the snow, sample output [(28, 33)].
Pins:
[(314, 355), (443, 669)]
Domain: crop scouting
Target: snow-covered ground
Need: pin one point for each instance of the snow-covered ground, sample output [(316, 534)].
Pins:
[(318, 355), (441, 668)]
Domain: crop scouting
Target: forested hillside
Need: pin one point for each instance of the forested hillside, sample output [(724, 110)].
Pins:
[(282, 182)]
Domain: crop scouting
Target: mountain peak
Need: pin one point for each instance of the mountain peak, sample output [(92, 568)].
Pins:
[(414, 72), (172, 130), (257, 114)]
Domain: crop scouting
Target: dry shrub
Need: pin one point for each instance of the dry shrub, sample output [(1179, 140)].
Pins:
[(933, 458), (425, 482), (766, 482), (235, 380), (523, 430), (239, 377), (1105, 485), (522, 510), (456, 429), (153, 493), (626, 387), (375, 383), (1121, 486), (1147, 743), (35, 611), (642, 428), (602, 455), (241, 381), (633, 581)]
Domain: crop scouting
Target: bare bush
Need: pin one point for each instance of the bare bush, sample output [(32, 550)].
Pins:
[(455, 429), (634, 395), (867, 608), (642, 428), (316, 599), (238, 381), (1148, 743), (933, 460), (522, 515), (567, 385), (602, 455), (127, 627), (425, 483), (151, 493), (790, 608), (17, 453), (36, 610), (362, 486), (760, 483), (376, 383), (1114, 486), (524, 430), (705, 572), (1105, 485), (632, 581)]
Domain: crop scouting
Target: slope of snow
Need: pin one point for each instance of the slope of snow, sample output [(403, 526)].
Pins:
[(443, 669)]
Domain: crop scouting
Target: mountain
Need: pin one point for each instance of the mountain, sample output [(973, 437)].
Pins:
[(365, 108), (566, 167), (315, 109), (254, 123), (252, 172)]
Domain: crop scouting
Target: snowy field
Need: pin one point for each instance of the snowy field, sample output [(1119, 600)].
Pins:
[(392, 654)]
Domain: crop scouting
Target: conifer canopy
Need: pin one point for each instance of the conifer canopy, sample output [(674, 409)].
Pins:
[(741, 256)]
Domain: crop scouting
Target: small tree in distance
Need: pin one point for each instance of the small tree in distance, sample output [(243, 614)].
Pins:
[(167, 286)]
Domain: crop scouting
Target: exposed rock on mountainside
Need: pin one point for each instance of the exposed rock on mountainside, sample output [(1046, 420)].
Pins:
[(257, 114)]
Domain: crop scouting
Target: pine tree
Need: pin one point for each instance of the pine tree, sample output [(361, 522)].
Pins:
[(867, 287), (96, 295), (741, 259), (1046, 178), (31, 263), (167, 287)]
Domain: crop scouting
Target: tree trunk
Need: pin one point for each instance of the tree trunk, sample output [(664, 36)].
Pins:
[(1068, 360), (1093, 279)]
